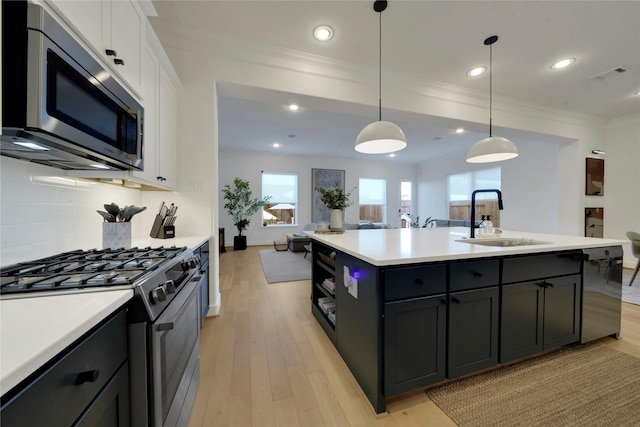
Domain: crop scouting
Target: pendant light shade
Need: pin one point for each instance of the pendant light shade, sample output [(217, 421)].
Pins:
[(494, 148), (380, 137)]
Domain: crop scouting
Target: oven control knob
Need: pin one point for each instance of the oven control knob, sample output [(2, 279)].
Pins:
[(193, 263), (170, 286), (158, 295)]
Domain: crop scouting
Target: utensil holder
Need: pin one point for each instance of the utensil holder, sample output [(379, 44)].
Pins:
[(116, 235), (159, 231)]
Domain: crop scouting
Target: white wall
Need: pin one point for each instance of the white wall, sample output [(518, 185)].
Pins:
[(621, 183), (44, 212), (248, 165), (529, 188)]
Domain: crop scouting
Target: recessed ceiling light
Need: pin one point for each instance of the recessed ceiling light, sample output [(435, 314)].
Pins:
[(275, 145), (563, 63), (476, 71), (459, 130), (323, 33), (293, 107)]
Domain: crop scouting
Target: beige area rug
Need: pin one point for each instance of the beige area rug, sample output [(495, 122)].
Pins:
[(590, 385)]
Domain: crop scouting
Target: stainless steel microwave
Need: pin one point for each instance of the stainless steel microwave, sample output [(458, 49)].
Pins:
[(60, 107)]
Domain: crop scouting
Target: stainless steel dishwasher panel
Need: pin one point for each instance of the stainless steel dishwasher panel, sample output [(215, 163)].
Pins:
[(602, 293)]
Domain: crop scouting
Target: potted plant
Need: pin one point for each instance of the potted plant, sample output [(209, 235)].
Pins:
[(336, 200), (241, 206)]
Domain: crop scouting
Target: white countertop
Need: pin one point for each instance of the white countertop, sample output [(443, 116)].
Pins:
[(33, 330), (382, 247)]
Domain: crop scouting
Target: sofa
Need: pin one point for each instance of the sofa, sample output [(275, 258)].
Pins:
[(298, 240)]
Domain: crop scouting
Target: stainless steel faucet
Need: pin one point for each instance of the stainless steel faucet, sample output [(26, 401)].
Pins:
[(473, 207)]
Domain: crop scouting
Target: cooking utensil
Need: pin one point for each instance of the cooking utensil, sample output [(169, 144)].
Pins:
[(113, 209), (131, 211), (107, 216)]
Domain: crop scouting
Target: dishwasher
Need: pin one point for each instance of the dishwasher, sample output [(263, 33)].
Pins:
[(602, 293)]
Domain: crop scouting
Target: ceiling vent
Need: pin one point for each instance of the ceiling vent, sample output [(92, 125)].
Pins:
[(610, 73)]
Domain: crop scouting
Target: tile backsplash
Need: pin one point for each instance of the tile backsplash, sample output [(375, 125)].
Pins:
[(44, 212)]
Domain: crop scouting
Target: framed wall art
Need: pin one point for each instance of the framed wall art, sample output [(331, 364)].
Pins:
[(594, 177), (323, 178), (594, 222)]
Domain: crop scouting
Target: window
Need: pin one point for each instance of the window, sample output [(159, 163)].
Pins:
[(459, 189), (282, 207), (405, 203), (372, 194)]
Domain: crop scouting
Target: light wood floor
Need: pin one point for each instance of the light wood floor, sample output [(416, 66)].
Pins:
[(265, 361)]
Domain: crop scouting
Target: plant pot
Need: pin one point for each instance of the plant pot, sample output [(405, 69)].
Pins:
[(239, 243), (336, 220)]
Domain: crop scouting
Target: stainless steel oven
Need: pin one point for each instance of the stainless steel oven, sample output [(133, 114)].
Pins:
[(175, 368)]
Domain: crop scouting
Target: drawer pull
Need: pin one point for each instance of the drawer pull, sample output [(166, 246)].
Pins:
[(111, 52), (476, 274), (456, 300), (419, 281), (542, 284), (118, 61), (87, 377), (443, 301)]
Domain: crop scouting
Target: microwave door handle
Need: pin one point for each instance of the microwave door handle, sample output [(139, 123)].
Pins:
[(138, 154)]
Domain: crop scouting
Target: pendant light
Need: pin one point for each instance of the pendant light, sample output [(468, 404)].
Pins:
[(494, 148), (382, 136)]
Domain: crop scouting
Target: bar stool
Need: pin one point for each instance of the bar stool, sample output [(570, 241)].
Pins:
[(635, 250)]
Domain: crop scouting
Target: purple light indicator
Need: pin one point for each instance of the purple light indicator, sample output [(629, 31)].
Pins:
[(356, 275)]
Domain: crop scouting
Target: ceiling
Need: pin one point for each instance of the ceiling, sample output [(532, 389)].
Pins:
[(435, 41)]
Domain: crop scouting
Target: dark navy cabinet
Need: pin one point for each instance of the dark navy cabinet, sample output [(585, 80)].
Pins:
[(87, 385), (415, 326), (540, 312)]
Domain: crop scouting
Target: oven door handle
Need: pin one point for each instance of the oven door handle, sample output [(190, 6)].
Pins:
[(185, 293)]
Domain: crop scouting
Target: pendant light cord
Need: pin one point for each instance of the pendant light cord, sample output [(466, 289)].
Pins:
[(490, 89), (380, 69)]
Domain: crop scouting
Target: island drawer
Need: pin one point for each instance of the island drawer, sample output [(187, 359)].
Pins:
[(411, 282), (476, 274), (62, 392), (533, 267)]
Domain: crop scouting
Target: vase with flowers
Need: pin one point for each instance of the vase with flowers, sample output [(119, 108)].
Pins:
[(336, 200)]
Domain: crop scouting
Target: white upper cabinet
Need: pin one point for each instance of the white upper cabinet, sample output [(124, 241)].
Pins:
[(115, 31), (167, 131), (150, 68)]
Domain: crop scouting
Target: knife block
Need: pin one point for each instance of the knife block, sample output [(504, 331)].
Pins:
[(159, 231)]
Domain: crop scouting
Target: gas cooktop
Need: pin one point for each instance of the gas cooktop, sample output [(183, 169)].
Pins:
[(84, 269)]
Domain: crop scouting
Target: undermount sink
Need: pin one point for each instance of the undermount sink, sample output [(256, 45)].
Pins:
[(503, 241)]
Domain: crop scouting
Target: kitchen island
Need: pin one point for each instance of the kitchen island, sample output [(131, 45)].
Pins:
[(408, 308)]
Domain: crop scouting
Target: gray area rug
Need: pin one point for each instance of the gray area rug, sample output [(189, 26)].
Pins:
[(285, 266), (630, 294), (590, 385)]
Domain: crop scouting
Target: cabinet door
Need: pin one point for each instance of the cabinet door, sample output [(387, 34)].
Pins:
[(111, 406), (562, 311), (522, 321), (414, 343), (126, 30), (473, 331), (167, 104), (150, 70), (85, 17)]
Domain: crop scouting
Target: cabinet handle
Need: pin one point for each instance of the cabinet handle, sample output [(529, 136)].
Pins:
[(118, 61), (476, 274), (419, 281), (443, 301), (549, 285), (110, 52), (542, 284), (456, 300), (87, 377)]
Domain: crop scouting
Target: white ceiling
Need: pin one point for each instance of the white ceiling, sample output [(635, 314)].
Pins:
[(438, 41)]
